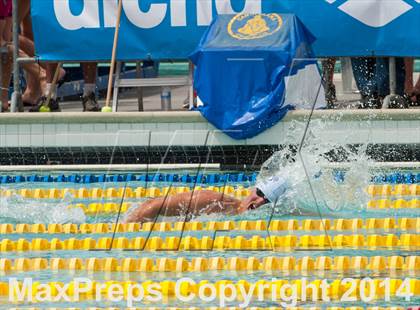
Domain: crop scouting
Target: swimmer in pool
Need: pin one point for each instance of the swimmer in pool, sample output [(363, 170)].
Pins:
[(209, 202)]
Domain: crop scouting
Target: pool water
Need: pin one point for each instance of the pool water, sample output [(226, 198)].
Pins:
[(376, 238)]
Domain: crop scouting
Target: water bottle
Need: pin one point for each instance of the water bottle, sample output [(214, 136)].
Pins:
[(165, 99)]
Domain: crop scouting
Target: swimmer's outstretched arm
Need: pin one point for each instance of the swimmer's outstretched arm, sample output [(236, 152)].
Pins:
[(185, 204), (147, 211)]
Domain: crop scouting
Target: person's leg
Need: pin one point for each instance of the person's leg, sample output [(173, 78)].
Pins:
[(3, 15), (89, 75), (382, 76), (417, 87), (409, 82), (35, 80), (328, 66), (35, 76), (33, 69), (401, 73), (26, 24), (23, 9), (34, 89), (383, 81), (35, 84), (27, 45), (2, 27), (363, 74), (50, 91), (412, 91), (89, 101), (6, 52), (7, 61), (50, 88), (416, 92), (7, 33)]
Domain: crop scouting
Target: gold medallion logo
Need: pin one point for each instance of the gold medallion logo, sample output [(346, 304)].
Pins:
[(254, 26)]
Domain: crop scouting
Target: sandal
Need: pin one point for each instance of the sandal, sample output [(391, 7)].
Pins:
[(409, 100), (42, 106), (370, 102), (28, 104), (398, 102)]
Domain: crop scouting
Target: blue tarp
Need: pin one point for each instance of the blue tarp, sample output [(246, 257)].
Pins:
[(241, 65)]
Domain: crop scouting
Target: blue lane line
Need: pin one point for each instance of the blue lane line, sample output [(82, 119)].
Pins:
[(212, 178)]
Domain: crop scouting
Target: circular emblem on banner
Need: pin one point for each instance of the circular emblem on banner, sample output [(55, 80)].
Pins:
[(254, 26)]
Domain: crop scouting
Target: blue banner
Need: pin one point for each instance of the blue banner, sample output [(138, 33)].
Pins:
[(171, 29)]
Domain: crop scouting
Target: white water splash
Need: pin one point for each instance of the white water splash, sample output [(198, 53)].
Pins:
[(16, 209), (332, 194)]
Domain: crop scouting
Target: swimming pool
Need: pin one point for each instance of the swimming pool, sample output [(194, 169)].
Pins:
[(371, 246), (355, 220)]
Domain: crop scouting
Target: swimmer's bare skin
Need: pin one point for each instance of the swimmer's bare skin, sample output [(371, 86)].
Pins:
[(193, 204)]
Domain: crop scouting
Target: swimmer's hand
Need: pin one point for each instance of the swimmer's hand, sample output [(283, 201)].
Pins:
[(244, 207)]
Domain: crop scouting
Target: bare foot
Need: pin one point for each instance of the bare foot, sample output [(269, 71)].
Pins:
[(30, 97), (35, 89)]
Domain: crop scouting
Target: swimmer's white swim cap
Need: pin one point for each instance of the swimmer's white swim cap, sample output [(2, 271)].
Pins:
[(273, 186)]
